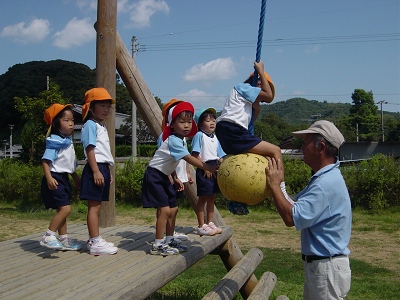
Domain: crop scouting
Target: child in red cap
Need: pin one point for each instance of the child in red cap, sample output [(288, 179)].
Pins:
[(157, 190), (58, 161), (96, 175)]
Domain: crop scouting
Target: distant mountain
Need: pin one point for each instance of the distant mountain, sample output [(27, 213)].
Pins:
[(300, 110)]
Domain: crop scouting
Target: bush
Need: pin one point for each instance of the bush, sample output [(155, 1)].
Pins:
[(374, 183), (128, 182)]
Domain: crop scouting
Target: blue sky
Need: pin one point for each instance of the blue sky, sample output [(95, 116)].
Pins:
[(197, 50)]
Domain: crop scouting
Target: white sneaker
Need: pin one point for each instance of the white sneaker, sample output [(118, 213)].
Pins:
[(180, 236), (100, 240), (205, 230), (214, 227), (101, 247)]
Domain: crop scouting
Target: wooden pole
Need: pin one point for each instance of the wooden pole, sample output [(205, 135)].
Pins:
[(106, 77), (151, 114)]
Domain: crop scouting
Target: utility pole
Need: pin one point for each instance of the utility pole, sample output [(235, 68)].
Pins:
[(135, 48), (382, 128), (11, 142)]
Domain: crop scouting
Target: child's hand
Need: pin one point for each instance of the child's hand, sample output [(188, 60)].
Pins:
[(98, 178), (259, 66), (190, 179), (52, 184), (178, 185), (208, 175)]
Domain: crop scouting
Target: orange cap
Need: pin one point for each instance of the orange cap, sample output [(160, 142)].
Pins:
[(51, 112), (165, 109), (271, 84), (95, 94)]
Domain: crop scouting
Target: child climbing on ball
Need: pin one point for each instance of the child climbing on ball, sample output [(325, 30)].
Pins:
[(235, 126), (157, 190), (206, 148)]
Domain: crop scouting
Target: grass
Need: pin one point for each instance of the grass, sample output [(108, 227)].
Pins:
[(375, 246)]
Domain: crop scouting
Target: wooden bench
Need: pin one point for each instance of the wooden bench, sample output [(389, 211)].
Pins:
[(29, 271)]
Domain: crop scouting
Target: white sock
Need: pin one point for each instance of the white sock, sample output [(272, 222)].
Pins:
[(283, 189), (168, 238), (63, 237), (49, 232), (158, 242)]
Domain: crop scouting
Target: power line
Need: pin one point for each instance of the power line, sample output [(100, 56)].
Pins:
[(382, 37)]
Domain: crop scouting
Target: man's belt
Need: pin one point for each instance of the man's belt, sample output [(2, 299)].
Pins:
[(311, 258)]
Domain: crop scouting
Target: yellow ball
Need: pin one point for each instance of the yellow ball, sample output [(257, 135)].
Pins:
[(241, 178)]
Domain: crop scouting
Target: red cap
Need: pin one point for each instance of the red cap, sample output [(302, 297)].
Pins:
[(173, 113)]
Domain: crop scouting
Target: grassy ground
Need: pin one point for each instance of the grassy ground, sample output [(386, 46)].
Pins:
[(375, 246)]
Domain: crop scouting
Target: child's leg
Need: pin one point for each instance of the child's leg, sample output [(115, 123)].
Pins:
[(161, 223), (170, 228), (59, 221), (210, 208), (93, 218), (267, 149), (200, 210)]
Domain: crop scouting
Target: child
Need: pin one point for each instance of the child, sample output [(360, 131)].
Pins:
[(206, 148), (234, 126), (58, 161), (182, 171), (96, 175), (157, 190)]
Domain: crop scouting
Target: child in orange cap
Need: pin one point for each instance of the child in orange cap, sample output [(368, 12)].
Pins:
[(157, 190), (96, 175), (235, 125), (58, 161)]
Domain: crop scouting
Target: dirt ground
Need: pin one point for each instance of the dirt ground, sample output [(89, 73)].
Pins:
[(375, 247)]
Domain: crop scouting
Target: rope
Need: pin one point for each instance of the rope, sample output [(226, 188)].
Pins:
[(260, 36)]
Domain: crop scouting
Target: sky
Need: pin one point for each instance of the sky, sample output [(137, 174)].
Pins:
[(198, 50)]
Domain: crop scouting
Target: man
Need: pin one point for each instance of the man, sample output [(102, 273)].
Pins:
[(322, 211)]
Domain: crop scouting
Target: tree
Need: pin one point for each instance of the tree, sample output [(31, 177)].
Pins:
[(364, 112), (34, 130)]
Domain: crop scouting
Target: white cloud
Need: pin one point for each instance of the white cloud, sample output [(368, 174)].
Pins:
[(142, 10), (75, 33), (218, 69), (37, 30), (299, 93), (201, 99), (92, 4)]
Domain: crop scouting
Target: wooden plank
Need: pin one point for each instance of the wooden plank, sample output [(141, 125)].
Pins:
[(264, 288), (39, 272), (230, 284)]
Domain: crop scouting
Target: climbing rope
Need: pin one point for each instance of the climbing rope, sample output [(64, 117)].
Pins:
[(260, 36)]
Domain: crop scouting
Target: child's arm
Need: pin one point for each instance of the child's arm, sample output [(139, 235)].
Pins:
[(77, 180), (265, 94), (189, 175), (52, 184), (178, 184), (199, 164), (97, 176)]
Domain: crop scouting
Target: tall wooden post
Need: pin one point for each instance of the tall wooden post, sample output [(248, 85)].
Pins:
[(106, 77)]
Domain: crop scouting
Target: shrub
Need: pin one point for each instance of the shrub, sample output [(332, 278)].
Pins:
[(128, 183)]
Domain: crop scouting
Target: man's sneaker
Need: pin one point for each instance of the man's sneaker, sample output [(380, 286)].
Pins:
[(177, 245), (69, 244), (101, 247), (205, 230), (100, 240), (214, 227), (51, 242), (180, 236), (163, 250)]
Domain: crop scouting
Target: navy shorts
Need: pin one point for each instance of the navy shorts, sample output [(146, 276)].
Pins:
[(235, 139), (91, 191), (157, 190), (58, 197), (206, 187)]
